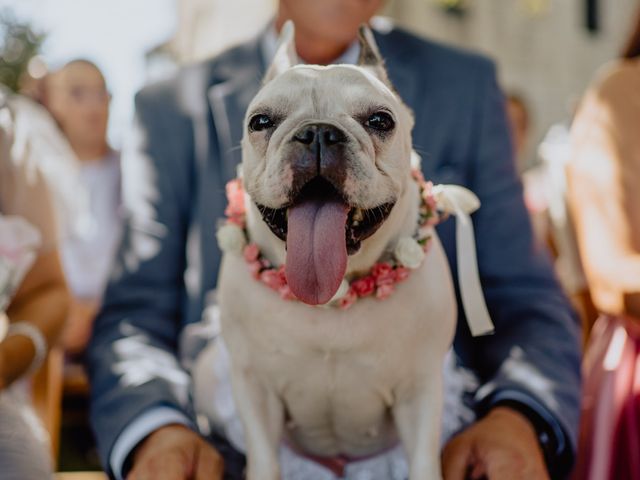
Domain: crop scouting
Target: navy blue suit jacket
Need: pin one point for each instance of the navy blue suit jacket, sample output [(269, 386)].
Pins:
[(188, 132)]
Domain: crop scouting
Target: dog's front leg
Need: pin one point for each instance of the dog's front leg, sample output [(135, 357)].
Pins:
[(418, 417), (262, 415)]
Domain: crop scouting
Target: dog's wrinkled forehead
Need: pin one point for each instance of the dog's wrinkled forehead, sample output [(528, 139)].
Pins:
[(323, 90), (290, 86)]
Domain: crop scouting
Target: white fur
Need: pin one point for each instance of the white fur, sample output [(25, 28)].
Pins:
[(214, 403)]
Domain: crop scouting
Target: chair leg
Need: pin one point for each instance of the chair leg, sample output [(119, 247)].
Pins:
[(47, 397)]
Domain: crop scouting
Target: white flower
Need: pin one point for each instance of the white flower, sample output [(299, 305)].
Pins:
[(231, 238), (409, 252)]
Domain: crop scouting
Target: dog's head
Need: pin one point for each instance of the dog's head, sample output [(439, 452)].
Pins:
[(326, 156)]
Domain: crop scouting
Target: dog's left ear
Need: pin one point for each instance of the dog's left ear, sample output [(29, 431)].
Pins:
[(286, 55), (370, 54)]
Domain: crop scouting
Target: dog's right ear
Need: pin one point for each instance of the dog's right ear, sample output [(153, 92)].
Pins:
[(286, 55), (370, 54)]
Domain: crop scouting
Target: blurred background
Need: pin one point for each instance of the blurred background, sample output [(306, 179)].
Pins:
[(559, 41), (547, 52)]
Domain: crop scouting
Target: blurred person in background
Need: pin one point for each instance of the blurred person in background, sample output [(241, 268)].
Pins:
[(544, 186), (184, 152), (532, 180), (32, 285), (77, 97), (604, 195)]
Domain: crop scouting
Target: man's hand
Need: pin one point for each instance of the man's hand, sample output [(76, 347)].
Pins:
[(501, 446), (175, 452)]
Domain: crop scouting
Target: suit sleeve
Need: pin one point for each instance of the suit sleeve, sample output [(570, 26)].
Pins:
[(535, 352), (133, 354)]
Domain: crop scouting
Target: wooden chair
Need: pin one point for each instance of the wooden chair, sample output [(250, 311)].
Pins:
[(47, 396)]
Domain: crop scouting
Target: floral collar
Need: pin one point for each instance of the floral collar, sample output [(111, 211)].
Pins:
[(379, 282)]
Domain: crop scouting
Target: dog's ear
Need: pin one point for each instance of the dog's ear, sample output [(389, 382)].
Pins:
[(286, 56), (370, 54)]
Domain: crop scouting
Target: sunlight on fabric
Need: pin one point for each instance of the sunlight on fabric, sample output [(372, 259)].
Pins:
[(145, 363), (616, 347)]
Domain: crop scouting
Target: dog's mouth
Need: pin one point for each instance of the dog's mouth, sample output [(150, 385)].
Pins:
[(321, 229), (361, 223)]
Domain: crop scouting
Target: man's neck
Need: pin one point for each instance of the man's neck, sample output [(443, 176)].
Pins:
[(313, 49)]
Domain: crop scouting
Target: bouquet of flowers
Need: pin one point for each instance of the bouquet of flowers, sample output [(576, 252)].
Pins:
[(19, 242)]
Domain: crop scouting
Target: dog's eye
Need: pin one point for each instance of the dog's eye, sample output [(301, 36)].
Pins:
[(260, 122), (381, 121)]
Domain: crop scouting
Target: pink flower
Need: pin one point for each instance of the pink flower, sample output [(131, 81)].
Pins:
[(239, 221), (282, 275), (427, 244), (348, 300), (251, 252), (428, 196), (402, 273), (383, 291), (235, 197), (286, 293), (383, 274), (254, 268), (364, 286), (272, 279), (417, 175)]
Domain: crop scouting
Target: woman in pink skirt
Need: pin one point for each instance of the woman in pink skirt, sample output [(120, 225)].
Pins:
[(604, 196)]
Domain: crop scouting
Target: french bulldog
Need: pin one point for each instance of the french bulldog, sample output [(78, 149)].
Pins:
[(326, 168)]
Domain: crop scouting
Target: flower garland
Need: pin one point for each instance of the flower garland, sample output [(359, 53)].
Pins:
[(379, 282)]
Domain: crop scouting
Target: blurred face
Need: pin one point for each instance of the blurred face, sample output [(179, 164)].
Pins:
[(335, 20), (79, 101)]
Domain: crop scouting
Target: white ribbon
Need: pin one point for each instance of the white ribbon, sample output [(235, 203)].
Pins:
[(461, 202)]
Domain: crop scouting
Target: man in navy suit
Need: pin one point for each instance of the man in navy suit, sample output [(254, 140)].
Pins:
[(187, 135)]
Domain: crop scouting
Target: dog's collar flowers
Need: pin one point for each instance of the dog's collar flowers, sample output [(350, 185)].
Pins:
[(436, 203), (379, 282)]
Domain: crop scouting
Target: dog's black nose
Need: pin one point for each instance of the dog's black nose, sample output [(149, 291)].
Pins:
[(319, 150), (326, 135)]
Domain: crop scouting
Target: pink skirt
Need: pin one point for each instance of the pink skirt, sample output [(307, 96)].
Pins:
[(609, 444)]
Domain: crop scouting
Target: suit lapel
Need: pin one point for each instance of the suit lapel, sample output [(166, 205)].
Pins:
[(229, 98)]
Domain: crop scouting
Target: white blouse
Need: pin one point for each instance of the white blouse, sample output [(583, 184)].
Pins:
[(87, 256)]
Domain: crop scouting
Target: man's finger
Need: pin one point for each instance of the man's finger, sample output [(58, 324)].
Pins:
[(500, 466), (209, 464), (456, 459), (506, 464), (164, 467)]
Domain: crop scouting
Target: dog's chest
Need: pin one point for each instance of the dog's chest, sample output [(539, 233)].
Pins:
[(339, 371)]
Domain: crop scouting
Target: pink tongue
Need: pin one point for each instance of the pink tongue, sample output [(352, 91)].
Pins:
[(316, 249)]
